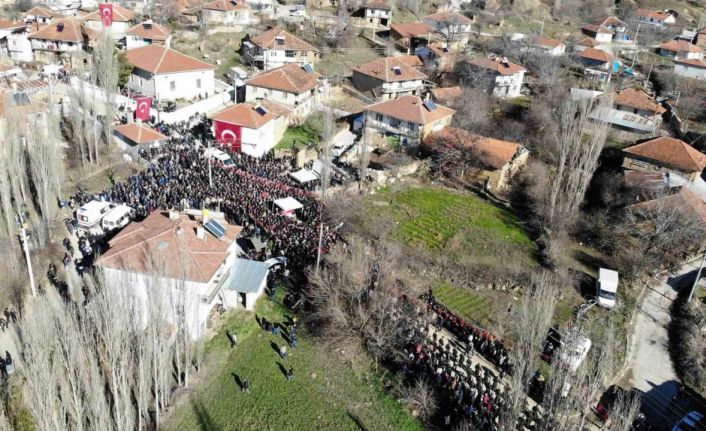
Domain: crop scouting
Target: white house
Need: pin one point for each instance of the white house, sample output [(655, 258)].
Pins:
[(189, 256), (655, 17), (13, 40), (247, 284), (41, 15), (681, 50), (408, 117), (547, 45), (275, 48), (167, 74), (375, 14), (291, 85), (695, 69), (388, 77), (505, 77), (455, 28), (226, 12), (257, 128), (123, 19), (608, 29), (61, 37), (133, 136), (147, 33)]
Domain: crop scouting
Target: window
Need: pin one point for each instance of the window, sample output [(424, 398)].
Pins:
[(198, 83), (172, 85), (289, 53), (378, 117)]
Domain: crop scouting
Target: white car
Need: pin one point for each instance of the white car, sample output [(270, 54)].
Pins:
[(221, 157), (607, 288), (117, 218)]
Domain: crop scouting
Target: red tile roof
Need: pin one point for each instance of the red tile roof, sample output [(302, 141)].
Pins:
[(245, 115), (497, 66), (158, 59), (655, 14), (412, 29), (12, 25), (120, 14), (684, 199), (446, 94), (73, 31), (545, 42), (692, 62), (671, 152), (226, 5), (386, 69), (453, 18), (613, 21), (596, 28), (139, 133), (269, 40), (152, 31), (596, 54), (410, 108), (587, 41), (290, 78), (679, 46), (637, 99), (493, 153), (175, 246), (42, 12)]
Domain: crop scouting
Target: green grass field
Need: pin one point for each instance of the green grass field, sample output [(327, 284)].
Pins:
[(296, 137), (461, 224), (465, 303), (326, 394)]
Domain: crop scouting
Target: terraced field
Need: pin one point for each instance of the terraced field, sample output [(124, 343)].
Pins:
[(441, 220), (466, 303)]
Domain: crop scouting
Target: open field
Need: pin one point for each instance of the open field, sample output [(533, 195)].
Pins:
[(465, 302), (460, 224), (296, 137), (218, 46), (326, 393), (337, 62)]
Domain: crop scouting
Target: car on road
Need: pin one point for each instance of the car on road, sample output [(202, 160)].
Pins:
[(275, 262), (607, 288), (694, 421)]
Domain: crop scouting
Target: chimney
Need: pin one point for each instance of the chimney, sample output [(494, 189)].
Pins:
[(505, 62), (173, 215), (180, 231), (201, 233), (60, 27)]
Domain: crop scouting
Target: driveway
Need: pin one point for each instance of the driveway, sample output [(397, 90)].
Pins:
[(650, 366)]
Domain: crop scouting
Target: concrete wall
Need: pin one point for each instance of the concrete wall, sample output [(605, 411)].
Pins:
[(187, 85), (257, 142), (207, 106), (690, 72)]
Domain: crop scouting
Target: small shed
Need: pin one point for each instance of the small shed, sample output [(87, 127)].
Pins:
[(246, 283), (133, 136), (288, 205)]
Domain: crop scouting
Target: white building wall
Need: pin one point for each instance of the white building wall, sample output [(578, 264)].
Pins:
[(257, 142), (690, 72), (132, 42), (508, 86), (117, 29), (604, 37), (183, 85), (301, 104), (19, 47)]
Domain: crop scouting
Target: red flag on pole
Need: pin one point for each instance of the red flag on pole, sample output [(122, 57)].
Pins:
[(143, 108), (106, 10), (228, 134)]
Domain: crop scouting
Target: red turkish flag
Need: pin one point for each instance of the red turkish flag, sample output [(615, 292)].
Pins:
[(143, 108), (228, 134), (106, 10)]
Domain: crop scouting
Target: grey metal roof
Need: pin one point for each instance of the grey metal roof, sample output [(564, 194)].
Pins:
[(246, 276)]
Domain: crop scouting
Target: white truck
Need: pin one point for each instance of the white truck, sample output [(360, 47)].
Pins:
[(607, 288)]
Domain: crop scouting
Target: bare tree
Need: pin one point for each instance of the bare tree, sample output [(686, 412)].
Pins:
[(624, 411), (105, 76), (363, 157), (421, 398), (579, 145)]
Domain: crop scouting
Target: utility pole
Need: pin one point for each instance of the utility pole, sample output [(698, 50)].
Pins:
[(25, 246), (698, 276), (541, 30), (208, 151)]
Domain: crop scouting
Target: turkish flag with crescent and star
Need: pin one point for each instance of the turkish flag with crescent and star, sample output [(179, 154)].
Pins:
[(228, 134), (143, 108), (106, 10)]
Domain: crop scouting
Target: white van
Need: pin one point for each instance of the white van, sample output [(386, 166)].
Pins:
[(221, 157), (117, 218), (573, 352), (92, 213), (606, 288)]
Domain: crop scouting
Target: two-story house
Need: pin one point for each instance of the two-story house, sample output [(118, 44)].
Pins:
[(504, 77), (695, 69), (293, 86), (166, 74), (123, 19), (191, 257), (10, 30), (277, 47), (609, 29), (546, 45), (147, 33), (665, 154), (63, 37), (455, 28), (375, 14), (437, 57), (387, 78), (232, 13), (595, 59), (632, 110), (681, 50), (408, 117), (41, 15), (408, 36), (659, 18), (253, 129)]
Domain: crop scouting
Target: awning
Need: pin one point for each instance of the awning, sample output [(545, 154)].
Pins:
[(246, 276), (288, 205), (303, 176)]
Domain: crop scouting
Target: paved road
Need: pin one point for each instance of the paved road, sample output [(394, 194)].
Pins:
[(650, 367)]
